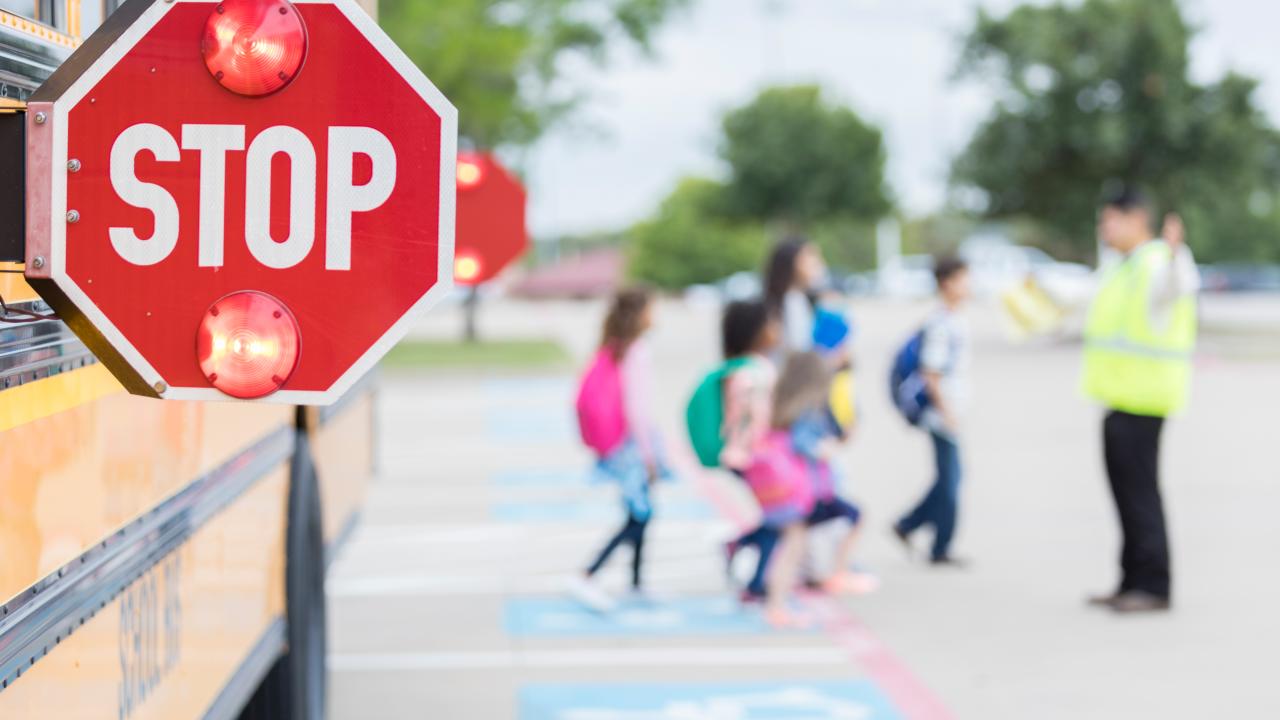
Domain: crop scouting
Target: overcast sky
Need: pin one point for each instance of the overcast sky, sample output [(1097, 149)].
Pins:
[(650, 122)]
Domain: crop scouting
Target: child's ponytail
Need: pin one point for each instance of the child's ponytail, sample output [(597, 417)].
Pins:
[(625, 322)]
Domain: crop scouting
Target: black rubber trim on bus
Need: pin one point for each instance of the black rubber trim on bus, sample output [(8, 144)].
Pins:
[(295, 686), (45, 614)]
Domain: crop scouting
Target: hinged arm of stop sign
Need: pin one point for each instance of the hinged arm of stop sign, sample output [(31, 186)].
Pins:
[(246, 199)]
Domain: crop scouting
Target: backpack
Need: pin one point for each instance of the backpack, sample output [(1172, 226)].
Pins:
[(906, 382), (602, 418), (780, 479), (704, 415)]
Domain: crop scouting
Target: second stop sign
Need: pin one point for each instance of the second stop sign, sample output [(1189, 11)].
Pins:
[(251, 198)]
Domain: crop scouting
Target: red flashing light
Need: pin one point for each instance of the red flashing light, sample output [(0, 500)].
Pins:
[(254, 47), (248, 344), (470, 172), (466, 268)]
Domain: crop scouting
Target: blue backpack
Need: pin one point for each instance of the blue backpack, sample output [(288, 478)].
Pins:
[(906, 382)]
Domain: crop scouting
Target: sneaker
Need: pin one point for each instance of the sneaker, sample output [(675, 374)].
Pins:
[(639, 597), (851, 583), (591, 595), (950, 561), (1102, 600), (783, 619), (747, 597)]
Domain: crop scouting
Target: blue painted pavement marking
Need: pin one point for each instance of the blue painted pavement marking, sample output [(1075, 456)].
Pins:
[(540, 427), (562, 617), (576, 511), (543, 477), (840, 700)]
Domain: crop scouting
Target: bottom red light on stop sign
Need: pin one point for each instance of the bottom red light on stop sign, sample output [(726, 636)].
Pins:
[(248, 344), (466, 268)]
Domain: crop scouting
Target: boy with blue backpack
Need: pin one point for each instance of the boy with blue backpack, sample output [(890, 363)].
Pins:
[(930, 387)]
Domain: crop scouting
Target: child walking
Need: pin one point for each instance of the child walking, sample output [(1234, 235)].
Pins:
[(816, 436), (942, 368), (782, 479), (750, 333), (616, 420)]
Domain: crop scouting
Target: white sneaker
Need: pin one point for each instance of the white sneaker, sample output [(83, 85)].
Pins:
[(587, 592), (637, 597)]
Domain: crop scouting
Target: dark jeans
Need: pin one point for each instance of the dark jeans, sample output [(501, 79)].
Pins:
[(632, 533), (941, 506), (1131, 445), (765, 539)]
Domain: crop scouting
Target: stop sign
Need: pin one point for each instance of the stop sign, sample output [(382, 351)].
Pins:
[(251, 198), (491, 219)]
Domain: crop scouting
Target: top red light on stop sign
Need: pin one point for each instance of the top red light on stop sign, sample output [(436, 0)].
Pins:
[(254, 47), (195, 151)]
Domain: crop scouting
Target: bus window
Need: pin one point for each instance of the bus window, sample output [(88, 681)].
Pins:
[(23, 8), (47, 12)]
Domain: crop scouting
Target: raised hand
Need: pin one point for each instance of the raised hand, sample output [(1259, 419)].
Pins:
[(1174, 232)]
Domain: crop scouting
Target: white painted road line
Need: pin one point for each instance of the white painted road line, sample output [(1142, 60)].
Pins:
[(761, 656), (556, 583)]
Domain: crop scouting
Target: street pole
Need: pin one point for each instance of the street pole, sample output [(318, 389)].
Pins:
[(469, 305)]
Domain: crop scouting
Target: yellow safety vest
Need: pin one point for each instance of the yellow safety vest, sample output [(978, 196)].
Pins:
[(1130, 364)]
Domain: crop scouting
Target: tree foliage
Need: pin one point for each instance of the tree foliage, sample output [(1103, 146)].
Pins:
[(794, 157), (795, 163), (500, 61), (1099, 92), (687, 242)]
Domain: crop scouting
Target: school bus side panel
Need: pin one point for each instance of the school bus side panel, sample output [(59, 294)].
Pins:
[(76, 475), (164, 647)]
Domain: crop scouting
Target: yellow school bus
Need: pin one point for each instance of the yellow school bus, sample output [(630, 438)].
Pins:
[(158, 559)]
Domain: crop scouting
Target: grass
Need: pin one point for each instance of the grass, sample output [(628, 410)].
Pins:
[(481, 355)]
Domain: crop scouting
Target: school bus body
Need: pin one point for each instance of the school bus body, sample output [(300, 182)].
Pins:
[(144, 541), (150, 551)]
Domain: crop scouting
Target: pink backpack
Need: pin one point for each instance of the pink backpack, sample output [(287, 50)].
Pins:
[(779, 478), (601, 416)]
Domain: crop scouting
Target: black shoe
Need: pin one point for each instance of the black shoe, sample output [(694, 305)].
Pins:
[(1102, 600), (949, 561), (1136, 601)]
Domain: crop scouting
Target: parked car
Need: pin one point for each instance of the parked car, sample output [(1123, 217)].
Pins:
[(1240, 277)]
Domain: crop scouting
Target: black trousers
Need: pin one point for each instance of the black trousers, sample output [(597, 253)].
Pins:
[(1131, 445), (632, 533)]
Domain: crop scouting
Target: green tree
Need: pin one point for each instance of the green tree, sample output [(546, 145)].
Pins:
[(1099, 92), (686, 243), (500, 61), (795, 158)]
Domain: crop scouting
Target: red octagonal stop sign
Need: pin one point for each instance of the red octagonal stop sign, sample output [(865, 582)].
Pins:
[(250, 189), (491, 219)]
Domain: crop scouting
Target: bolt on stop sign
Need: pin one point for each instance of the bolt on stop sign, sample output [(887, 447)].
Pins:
[(247, 199)]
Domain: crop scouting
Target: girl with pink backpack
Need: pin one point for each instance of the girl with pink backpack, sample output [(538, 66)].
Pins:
[(616, 422)]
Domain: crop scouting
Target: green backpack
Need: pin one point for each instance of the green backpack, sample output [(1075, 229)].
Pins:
[(705, 413)]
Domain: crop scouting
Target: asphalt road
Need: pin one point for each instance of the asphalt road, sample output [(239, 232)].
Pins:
[(448, 602)]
